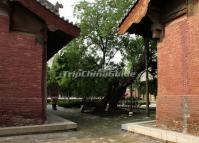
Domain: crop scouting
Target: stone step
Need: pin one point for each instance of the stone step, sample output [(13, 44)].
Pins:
[(53, 124), (165, 135)]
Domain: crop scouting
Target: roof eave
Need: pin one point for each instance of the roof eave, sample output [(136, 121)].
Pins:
[(134, 16), (51, 18)]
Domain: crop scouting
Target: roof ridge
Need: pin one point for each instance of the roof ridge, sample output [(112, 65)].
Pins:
[(55, 10)]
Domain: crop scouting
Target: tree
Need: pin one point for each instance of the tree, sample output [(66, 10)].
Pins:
[(98, 23), (52, 83), (96, 48), (74, 58), (137, 68)]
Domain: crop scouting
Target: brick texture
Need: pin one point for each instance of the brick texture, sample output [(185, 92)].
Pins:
[(178, 76), (4, 22), (21, 92)]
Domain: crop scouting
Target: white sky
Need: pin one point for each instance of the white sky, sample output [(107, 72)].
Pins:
[(67, 12), (68, 9)]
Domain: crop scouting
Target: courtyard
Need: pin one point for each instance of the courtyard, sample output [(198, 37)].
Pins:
[(91, 129), (104, 66)]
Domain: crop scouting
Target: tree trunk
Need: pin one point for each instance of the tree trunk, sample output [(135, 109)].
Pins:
[(117, 94), (118, 88), (103, 104)]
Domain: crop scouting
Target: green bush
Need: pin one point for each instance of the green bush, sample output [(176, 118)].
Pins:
[(70, 103), (135, 101), (76, 103)]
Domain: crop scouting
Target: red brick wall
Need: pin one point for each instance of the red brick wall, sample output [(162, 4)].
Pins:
[(178, 76), (4, 22), (21, 93)]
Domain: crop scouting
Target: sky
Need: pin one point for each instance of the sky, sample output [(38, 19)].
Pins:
[(68, 9)]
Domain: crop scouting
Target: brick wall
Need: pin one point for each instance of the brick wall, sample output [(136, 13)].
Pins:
[(21, 92), (178, 76)]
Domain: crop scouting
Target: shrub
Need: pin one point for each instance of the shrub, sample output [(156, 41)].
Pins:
[(70, 103)]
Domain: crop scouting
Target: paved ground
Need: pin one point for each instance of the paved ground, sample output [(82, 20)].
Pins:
[(92, 129)]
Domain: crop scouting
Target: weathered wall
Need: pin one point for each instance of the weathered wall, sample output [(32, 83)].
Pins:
[(21, 86), (178, 76)]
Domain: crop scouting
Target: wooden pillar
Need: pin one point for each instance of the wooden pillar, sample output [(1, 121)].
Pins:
[(131, 93), (146, 43)]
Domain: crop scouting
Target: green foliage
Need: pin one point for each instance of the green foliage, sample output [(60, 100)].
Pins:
[(52, 82), (98, 23), (152, 87), (70, 103), (133, 51), (95, 49), (135, 102), (76, 103), (72, 59)]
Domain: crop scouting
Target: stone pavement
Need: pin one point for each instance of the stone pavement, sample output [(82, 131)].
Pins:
[(92, 129)]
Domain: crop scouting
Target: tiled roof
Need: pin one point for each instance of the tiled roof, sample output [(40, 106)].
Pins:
[(53, 9), (128, 10)]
